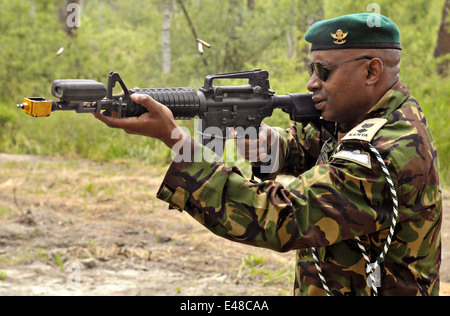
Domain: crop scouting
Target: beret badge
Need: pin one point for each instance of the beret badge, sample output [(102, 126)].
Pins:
[(340, 37)]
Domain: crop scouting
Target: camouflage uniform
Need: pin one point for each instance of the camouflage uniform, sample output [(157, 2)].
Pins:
[(335, 197)]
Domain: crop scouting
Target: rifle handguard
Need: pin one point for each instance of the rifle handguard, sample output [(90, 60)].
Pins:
[(185, 103)]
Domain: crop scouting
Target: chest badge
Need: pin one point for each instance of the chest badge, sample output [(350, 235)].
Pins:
[(340, 37), (357, 156)]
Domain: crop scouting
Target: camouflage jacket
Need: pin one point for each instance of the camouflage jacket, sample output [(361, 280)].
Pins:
[(335, 197)]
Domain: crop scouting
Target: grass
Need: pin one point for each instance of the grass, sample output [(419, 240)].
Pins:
[(254, 265), (5, 211), (59, 262)]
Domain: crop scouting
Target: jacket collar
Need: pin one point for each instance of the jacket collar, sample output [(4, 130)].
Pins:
[(391, 101)]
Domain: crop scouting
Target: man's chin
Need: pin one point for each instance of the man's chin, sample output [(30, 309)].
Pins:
[(327, 116)]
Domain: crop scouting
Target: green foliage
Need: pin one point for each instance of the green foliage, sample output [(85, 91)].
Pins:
[(59, 261), (125, 36)]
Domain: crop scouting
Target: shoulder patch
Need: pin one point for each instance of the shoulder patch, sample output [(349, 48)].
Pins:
[(366, 130), (357, 156)]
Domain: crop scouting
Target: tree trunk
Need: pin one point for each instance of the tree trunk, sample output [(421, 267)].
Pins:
[(291, 34), (311, 11), (231, 60), (32, 10), (191, 25), (102, 16), (166, 51), (443, 43), (251, 5)]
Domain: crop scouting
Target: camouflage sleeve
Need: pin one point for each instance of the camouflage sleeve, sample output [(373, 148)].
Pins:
[(298, 149), (327, 204)]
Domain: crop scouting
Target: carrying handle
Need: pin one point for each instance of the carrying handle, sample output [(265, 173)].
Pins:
[(256, 77)]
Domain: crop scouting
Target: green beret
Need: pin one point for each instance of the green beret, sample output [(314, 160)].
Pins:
[(362, 30)]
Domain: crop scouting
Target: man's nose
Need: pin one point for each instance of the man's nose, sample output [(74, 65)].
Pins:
[(314, 83)]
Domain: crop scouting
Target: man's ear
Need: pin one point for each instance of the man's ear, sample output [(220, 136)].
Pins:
[(374, 71)]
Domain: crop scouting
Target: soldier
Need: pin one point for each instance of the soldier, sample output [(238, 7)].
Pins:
[(364, 212)]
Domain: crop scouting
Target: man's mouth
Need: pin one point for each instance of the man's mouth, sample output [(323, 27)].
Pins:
[(319, 103)]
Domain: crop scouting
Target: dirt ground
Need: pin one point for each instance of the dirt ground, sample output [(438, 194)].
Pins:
[(76, 227)]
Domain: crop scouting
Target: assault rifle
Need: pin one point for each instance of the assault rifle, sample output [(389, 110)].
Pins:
[(218, 107)]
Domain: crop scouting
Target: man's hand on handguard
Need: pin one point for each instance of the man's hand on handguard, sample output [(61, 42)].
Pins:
[(157, 123)]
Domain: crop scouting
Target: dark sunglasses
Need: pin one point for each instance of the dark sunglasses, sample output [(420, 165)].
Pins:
[(322, 71)]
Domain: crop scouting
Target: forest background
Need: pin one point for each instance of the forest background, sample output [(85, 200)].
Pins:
[(152, 45)]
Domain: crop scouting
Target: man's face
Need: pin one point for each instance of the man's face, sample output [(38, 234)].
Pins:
[(342, 98)]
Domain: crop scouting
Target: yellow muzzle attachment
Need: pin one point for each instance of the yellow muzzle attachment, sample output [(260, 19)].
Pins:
[(36, 107)]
